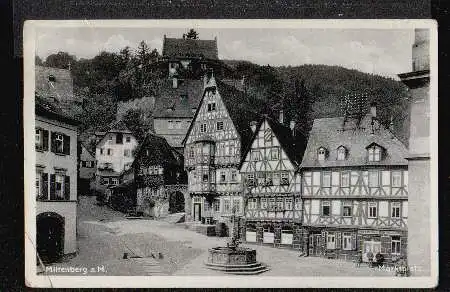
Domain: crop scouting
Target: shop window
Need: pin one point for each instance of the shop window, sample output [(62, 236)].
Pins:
[(331, 240), (347, 241), (395, 245)]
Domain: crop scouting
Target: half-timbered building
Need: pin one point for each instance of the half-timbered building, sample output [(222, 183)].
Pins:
[(214, 146), (271, 183), (160, 178), (354, 188)]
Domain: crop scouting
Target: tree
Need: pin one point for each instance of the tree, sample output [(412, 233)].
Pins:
[(60, 60), (192, 34), (38, 61), (134, 120)]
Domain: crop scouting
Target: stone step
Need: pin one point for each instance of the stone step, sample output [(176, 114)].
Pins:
[(242, 271), (257, 264)]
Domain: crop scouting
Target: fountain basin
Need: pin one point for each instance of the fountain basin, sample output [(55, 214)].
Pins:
[(240, 260)]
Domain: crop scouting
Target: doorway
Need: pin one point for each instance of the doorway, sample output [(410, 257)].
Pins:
[(315, 244), (50, 236), (370, 246), (197, 212)]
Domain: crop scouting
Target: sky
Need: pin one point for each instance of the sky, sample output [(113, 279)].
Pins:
[(385, 52)]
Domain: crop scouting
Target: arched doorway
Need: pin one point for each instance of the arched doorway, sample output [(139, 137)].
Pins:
[(176, 202), (50, 236)]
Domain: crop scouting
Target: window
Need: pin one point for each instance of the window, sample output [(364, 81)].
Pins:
[(372, 210), (127, 152), (211, 106), (374, 153), (59, 143), (219, 126), (268, 135), (280, 204), (274, 154), (269, 181), (226, 205), (251, 179), (396, 179), (38, 138), (114, 181), (288, 203), (395, 210), (254, 155), (128, 139), (205, 177), (345, 179), (222, 176), (38, 184), (326, 208), (284, 178), (191, 152), (110, 137), (177, 124), (395, 245), (321, 154), (119, 138), (233, 175), (276, 178), (41, 139), (261, 178), (373, 179), (51, 78), (252, 203), (347, 209), (110, 151), (263, 203), (237, 205), (170, 124), (101, 151), (298, 203), (202, 128), (347, 241), (59, 187), (216, 205), (326, 179), (331, 240), (341, 153), (272, 203)]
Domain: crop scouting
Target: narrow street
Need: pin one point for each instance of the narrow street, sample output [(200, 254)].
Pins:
[(163, 248)]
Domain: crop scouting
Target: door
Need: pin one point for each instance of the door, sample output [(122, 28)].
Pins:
[(370, 246), (314, 244), (250, 233), (50, 236), (197, 212), (287, 236), (268, 234)]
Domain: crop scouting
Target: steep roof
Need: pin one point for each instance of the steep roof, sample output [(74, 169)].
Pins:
[(54, 82), (242, 110), (293, 145), (330, 134), (119, 127), (160, 152), (189, 48), (45, 107), (178, 102)]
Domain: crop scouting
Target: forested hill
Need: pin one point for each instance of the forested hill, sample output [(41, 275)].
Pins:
[(311, 91)]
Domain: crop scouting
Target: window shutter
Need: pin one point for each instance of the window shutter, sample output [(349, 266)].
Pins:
[(53, 142), (44, 189), (338, 240), (67, 187), (52, 186), (354, 247), (45, 140), (66, 144)]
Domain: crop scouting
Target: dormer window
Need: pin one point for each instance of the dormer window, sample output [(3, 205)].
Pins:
[(374, 152), (51, 78), (321, 154), (341, 153)]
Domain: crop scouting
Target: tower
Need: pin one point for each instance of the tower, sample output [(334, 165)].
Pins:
[(418, 82)]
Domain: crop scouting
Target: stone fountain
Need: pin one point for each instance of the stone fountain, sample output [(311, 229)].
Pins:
[(233, 259)]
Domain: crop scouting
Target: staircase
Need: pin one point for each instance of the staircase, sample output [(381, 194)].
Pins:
[(240, 269), (174, 218), (208, 230)]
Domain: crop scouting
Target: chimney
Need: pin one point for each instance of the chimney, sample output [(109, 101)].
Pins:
[(281, 117), (175, 82), (253, 126), (373, 109), (292, 126)]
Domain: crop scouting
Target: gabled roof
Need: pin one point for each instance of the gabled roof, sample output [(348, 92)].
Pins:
[(189, 48), (240, 107), (178, 102), (159, 151), (330, 134), (119, 127), (51, 109), (293, 145), (87, 150), (60, 88)]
